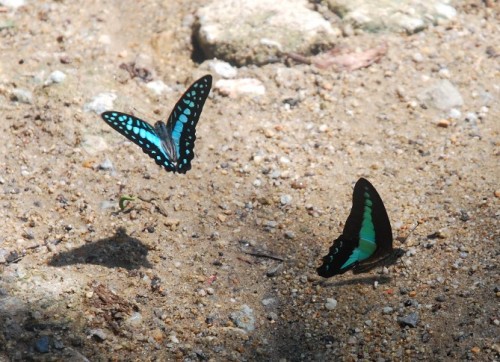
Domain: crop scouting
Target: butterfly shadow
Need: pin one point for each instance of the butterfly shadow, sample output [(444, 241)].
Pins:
[(118, 251)]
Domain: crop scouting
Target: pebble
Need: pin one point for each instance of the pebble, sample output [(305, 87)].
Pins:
[(285, 200), (272, 316), (440, 298), (12, 3), (417, 57), (410, 320), (158, 87), (442, 95), (331, 303), (289, 234), (387, 310), (135, 319), (274, 270), (234, 88), (22, 96), (443, 123), (475, 350), (157, 335), (268, 301), (106, 165), (244, 318), (100, 103), (454, 113), (257, 183), (224, 69), (4, 253), (42, 344), (98, 334), (55, 77)]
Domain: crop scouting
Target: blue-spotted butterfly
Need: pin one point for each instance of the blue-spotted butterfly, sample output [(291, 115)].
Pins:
[(170, 145), (366, 240)]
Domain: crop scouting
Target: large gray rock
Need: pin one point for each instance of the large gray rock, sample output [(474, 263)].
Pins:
[(394, 15), (257, 31)]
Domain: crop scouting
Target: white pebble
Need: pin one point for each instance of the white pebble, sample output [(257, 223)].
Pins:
[(285, 200), (257, 183), (330, 303), (56, 77)]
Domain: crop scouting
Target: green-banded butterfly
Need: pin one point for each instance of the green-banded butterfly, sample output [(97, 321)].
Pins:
[(367, 236)]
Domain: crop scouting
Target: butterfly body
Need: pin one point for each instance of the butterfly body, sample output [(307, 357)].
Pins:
[(367, 236), (170, 144)]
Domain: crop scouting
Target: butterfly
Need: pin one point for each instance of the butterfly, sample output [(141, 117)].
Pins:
[(366, 240), (170, 145)]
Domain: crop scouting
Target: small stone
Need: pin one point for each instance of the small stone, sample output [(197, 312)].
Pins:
[(276, 269), (158, 87), (234, 88), (454, 113), (22, 96), (440, 298), (268, 301), (352, 340), (275, 174), (289, 235), (100, 103), (417, 57), (157, 335), (135, 319), (272, 316), (387, 310), (106, 165), (171, 222), (98, 334), (443, 123), (257, 183), (42, 344), (56, 77), (475, 350), (244, 318), (497, 194), (410, 320), (222, 68), (285, 199), (331, 303)]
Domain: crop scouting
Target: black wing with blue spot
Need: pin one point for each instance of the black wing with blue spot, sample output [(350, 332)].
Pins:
[(142, 134), (170, 145), (183, 119)]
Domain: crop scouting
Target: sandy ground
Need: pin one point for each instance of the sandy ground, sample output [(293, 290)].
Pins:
[(162, 279)]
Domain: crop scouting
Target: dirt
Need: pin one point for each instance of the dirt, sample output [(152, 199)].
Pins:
[(162, 279)]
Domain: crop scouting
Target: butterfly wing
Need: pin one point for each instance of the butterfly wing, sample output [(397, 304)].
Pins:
[(367, 233), (183, 119), (381, 226), (142, 134)]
